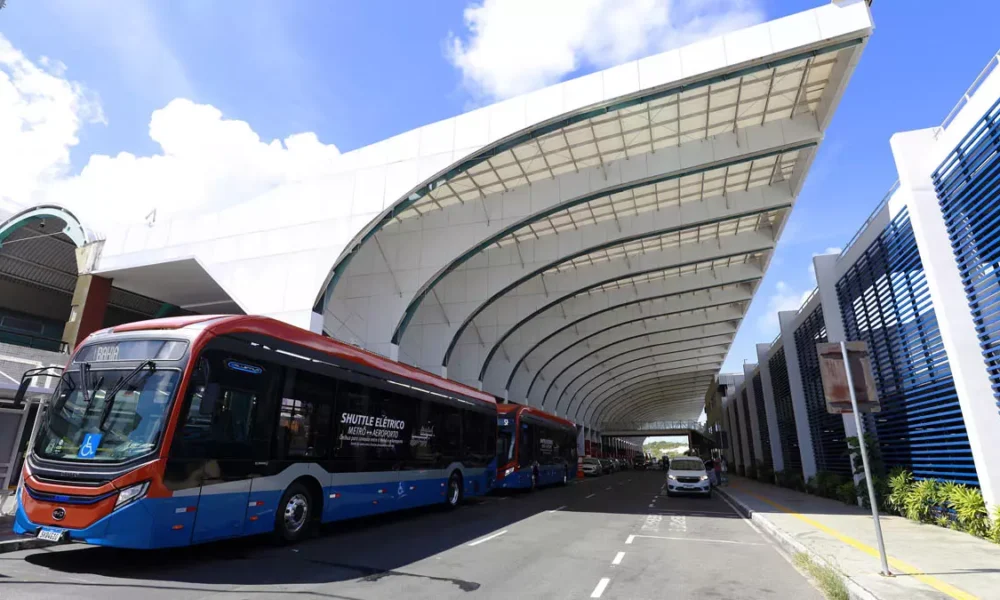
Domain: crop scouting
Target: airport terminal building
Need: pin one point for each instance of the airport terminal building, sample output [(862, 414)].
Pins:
[(918, 283), (589, 248)]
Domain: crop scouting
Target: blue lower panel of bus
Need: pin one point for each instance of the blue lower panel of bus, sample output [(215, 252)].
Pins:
[(521, 479), (183, 520)]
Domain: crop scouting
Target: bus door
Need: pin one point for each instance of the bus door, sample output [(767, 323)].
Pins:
[(218, 439)]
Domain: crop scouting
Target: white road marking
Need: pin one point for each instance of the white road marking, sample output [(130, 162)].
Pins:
[(652, 506), (629, 540), (558, 509), (618, 558), (608, 488), (488, 538), (693, 512), (693, 539), (590, 496), (502, 498), (603, 583)]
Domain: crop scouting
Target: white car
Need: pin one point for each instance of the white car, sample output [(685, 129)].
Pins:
[(688, 476), (592, 467)]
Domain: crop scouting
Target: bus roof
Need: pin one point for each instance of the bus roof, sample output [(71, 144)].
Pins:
[(509, 408), (233, 324)]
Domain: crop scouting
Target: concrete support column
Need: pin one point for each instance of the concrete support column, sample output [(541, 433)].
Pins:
[(90, 302), (758, 444), (951, 306), (786, 319), (741, 418), (777, 458)]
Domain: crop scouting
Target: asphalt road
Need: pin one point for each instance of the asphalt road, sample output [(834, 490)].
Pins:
[(614, 537)]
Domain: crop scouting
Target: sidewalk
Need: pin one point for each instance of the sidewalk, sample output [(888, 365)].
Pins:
[(12, 543), (927, 561)]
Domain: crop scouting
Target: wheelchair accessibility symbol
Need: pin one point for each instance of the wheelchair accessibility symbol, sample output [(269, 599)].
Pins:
[(88, 449)]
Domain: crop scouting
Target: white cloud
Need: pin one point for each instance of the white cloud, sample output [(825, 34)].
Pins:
[(40, 115), (783, 298), (206, 162), (514, 46)]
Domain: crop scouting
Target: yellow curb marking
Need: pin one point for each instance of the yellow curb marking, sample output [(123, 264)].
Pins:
[(895, 563)]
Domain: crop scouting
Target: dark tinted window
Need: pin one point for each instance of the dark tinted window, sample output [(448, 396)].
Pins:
[(305, 415), (526, 445), (220, 408), (351, 449), (479, 437)]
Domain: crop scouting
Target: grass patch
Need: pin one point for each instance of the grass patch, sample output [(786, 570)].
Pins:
[(827, 579)]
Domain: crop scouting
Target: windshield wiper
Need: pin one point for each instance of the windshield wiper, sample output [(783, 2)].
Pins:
[(110, 397)]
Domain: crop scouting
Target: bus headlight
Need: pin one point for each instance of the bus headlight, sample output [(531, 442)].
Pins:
[(508, 472), (131, 494)]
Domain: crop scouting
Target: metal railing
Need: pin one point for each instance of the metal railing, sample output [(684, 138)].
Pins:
[(969, 93)]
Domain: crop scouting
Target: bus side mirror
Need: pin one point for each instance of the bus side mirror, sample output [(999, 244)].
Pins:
[(22, 391), (208, 399)]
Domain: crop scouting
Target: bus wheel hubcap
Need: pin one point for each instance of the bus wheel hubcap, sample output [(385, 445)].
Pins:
[(453, 492), (296, 512)]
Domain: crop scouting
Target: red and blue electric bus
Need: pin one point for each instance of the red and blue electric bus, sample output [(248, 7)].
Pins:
[(534, 448), (191, 429)]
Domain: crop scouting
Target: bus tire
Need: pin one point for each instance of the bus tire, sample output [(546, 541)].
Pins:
[(453, 493), (294, 517)]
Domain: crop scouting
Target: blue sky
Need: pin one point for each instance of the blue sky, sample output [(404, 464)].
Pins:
[(357, 72)]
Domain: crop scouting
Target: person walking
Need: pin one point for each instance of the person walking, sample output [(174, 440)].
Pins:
[(717, 471)]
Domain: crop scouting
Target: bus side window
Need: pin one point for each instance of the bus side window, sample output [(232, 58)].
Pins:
[(526, 445), (350, 448), (220, 408), (479, 437), (304, 420)]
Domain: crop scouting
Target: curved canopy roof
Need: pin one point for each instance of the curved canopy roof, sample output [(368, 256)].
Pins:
[(594, 252)]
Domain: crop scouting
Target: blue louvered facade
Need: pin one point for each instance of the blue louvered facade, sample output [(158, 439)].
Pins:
[(765, 432), (786, 414), (968, 189), (885, 301), (828, 438)]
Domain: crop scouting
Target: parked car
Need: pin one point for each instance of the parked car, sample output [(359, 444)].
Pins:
[(640, 463), (687, 475), (606, 466), (592, 467)]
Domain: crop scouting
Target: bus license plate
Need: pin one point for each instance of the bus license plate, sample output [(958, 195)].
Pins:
[(51, 535)]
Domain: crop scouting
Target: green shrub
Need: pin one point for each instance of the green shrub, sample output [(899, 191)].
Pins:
[(970, 510), (921, 500), (765, 473), (994, 535), (900, 483), (847, 493), (791, 480)]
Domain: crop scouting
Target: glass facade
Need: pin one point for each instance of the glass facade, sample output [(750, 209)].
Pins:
[(885, 301)]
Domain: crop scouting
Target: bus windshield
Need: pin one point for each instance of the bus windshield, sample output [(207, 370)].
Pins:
[(505, 440), (106, 415)]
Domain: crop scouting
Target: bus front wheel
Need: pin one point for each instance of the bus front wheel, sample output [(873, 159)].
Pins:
[(294, 515), (453, 495)]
